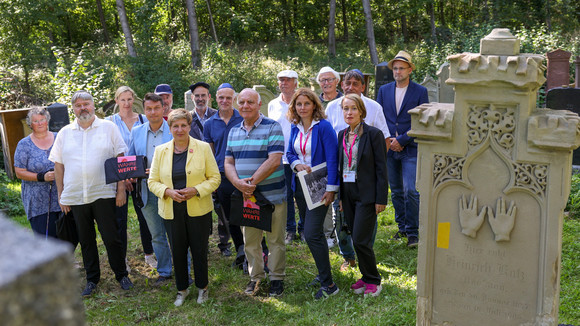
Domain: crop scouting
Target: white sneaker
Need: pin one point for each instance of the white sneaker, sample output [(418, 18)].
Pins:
[(127, 266), (181, 295), (202, 296), (331, 242), (151, 261)]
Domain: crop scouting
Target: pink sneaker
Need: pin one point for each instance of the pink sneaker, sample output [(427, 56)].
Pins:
[(358, 287), (373, 290)]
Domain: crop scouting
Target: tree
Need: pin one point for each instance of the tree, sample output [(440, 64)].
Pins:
[(211, 22), (193, 34), (370, 31), (431, 11), (331, 26), (126, 28), (102, 20), (344, 22)]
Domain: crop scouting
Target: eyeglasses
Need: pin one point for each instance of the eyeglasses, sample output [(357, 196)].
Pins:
[(400, 68), (37, 122), (327, 80)]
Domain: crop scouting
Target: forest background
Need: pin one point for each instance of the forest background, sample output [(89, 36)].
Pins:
[(51, 48)]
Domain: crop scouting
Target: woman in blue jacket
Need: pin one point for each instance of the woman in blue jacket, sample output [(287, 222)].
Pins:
[(312, 142)]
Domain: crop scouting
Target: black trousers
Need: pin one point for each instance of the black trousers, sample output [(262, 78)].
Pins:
[(186, 232), (225, 229), (121, 216), (103, 212), (361, 220)]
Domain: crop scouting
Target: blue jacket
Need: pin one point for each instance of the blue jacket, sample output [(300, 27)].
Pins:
[(324, 149), (138, 146), (400, 124)]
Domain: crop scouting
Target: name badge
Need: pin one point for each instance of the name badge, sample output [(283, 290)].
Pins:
[(349, 176)]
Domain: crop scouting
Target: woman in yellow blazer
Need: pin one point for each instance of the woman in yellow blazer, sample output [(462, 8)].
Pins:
[(183, 175)]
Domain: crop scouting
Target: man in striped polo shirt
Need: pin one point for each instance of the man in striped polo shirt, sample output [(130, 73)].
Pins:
[(253, 163)]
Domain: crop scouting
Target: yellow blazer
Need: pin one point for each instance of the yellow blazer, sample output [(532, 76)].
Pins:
[(202, 173)]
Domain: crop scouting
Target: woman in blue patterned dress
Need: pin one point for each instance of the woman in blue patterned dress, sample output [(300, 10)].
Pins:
[(125, 120), (39, 194)]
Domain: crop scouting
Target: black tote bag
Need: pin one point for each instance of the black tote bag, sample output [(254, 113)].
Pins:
[(255, 212)]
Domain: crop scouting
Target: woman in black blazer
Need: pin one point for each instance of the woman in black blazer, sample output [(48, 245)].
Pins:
[(363, 188)]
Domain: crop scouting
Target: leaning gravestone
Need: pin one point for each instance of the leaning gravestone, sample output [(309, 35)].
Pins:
[(38, 283), (494, 176)]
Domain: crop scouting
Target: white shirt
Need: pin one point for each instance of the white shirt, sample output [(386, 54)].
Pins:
[(277, 110), (399, 96), (306, 143), (375, 116), (83, 153)]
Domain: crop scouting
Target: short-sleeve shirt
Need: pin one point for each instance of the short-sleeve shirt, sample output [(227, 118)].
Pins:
[(83, 153), (250, 149), (216, 131), (277, 110), (36, 196)]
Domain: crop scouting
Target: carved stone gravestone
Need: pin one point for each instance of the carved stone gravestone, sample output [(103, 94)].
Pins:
[(266, 96), (38, 283), (494, 176), (446, 93), (432, 89), (189, 105), (558, 70)]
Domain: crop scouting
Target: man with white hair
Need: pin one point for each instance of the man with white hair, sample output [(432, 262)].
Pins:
[(277, 110), (328, 80)]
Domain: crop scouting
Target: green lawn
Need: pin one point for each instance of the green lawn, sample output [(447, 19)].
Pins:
[(147, 305)]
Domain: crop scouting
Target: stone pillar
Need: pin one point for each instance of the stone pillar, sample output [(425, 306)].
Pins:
[(494, 177), (558, 73)]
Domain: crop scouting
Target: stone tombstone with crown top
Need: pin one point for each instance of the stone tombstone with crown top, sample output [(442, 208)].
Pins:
[(494, 176)]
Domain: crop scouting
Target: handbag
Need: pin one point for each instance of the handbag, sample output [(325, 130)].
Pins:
[(66, 228), (254, 212), (125, 167)]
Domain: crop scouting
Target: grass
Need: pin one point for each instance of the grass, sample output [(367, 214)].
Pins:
[(147, 305)]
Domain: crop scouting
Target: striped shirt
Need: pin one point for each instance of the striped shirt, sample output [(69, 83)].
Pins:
[(250, 149)]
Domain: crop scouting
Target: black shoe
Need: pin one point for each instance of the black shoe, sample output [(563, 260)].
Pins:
[(161, 280), (289, 238), (276, 288), (326, 291), (226, 252), (245, 267), (252, 288), (412, 241), (315, 282), (126, 283), (399, 235), (89, 289)]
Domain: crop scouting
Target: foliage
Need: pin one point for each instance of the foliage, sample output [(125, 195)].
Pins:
[(573, 205), (10, 194)]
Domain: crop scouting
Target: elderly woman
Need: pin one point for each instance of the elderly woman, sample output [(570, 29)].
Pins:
[(183, 175), (125, 120), (313, 142), (39, 194), (328, 80), (363, 188)]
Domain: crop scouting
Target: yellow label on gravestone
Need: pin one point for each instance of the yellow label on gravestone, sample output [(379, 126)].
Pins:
[(443, 235)]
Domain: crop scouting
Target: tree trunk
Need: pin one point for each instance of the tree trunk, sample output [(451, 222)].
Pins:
[(103, 22), (294, 9), (404, 27), (442, 13), (431, 10), (549, 18), (344, 23), (211, 21), (284, 18), (126, 28), (193, 34), (370, 31), (331, 26)]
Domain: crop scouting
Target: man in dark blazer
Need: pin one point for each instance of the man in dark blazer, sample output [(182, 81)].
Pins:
[(397, 98)]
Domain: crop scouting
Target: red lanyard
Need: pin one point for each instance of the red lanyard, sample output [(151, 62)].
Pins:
[(303, 148), (348, 154)]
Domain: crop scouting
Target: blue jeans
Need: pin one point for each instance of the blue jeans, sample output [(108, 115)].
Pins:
[(291, 213), (402, 173), (158, 235)]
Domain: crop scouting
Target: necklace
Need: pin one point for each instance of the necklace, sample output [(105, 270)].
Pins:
[(177, 150)]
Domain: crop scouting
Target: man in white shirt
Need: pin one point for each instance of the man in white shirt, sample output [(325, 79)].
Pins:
[(353, 83), (277, 109), (79, 153)]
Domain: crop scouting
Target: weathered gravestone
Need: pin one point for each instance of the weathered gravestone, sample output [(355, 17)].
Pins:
[(446, 93), (432, 89), (38, 283), (494, 176), (558, 69), (189, 105), (265, 96)]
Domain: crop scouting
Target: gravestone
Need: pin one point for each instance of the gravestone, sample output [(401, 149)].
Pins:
[(266, 96), (58, 116), (494, 176), (432, 89), (446, 93), (565, 98), (38, 283), (558, 70), (577, 71), (383, 76), (189, 105)]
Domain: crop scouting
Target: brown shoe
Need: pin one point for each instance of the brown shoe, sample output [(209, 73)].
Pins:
[(347, 263)]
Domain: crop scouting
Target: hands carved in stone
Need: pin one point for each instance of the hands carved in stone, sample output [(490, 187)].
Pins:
[(468, 218), (503, 222)]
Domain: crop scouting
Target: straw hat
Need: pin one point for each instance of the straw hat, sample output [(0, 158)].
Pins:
[(401, 56)]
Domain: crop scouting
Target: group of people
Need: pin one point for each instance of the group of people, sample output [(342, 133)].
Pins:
[(196, 160)]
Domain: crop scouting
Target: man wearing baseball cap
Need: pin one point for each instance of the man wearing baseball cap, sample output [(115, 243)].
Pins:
[(277, 109), (166, 94), (397, 98), (201, 98)]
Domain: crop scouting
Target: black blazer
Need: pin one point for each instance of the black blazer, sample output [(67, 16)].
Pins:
[(371, 172)]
